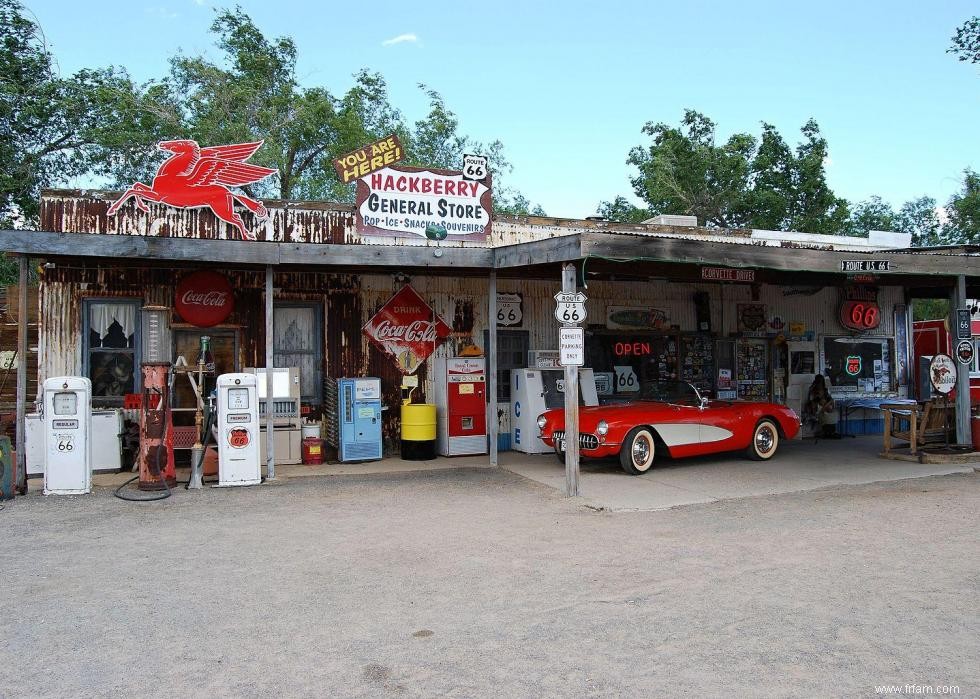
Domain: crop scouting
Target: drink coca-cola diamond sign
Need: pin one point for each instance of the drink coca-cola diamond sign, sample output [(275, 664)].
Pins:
[(204, 298), (407, 329)]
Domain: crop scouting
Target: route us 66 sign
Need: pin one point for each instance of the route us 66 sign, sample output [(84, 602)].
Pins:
[(475, 167), (570, 307), (510, 312)]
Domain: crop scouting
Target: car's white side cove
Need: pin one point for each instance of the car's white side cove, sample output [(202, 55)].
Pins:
[(682, 434)]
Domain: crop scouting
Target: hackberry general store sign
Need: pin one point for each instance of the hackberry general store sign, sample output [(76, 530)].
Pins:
[(402, 202)]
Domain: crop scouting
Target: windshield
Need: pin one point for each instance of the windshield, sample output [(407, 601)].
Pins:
[(679, 392)]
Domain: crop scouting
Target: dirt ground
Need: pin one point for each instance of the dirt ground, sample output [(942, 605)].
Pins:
[(479, 583)]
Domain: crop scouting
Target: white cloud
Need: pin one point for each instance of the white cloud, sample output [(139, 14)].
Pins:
[(401, 39)]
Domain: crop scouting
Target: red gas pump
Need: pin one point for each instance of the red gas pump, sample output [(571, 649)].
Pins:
[(156, 459)]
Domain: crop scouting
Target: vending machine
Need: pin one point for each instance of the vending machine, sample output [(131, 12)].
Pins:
[(239, 461), (532, 392), (460, 385), (359, 419), (67, 423)]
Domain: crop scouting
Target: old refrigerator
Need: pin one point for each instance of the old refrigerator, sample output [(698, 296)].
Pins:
[(461, 404), (359, 419)]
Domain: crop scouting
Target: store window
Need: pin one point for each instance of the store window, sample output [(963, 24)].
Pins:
[(512, 349), (299, 344), (111, 348), (857, 364)]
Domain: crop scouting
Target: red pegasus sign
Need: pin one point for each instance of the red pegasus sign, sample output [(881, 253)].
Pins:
[(195, 177)]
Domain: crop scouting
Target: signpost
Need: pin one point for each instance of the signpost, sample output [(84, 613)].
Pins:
[(570, 311)]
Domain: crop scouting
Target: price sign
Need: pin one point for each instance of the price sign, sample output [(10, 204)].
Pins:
[(570, 307), (510, 310), (626, 379), (475, 167)]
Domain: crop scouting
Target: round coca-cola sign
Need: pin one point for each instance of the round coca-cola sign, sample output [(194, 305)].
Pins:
[(204, 298)]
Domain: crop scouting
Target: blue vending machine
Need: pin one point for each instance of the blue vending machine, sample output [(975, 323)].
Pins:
[(359, 418)]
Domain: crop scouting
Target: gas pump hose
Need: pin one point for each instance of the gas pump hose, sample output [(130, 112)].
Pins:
[(167, 491)]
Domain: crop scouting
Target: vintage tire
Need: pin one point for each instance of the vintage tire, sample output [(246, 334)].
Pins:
[(638, 452), (559, 454), (765, 441)]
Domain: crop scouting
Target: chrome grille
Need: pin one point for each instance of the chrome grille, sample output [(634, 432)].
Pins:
[(585, 441)]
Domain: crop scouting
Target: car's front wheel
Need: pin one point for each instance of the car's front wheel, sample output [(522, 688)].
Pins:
[(638, 451), (765, 441)]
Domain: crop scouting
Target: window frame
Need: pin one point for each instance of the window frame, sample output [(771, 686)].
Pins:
[(318, 344), (136, 349)]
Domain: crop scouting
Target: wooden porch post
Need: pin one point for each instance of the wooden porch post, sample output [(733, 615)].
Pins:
[(270, 435), (20, 468), (492, 366)]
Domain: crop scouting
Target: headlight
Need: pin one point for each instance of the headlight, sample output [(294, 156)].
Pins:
[(602, 427), (541, 422)]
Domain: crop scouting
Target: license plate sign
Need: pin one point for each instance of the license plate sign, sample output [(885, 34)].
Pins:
[(561, 445)]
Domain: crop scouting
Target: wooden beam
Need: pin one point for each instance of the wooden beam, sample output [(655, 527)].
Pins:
[(20, 468), (701, 252), (270, 434), (566, 248), (491, 355), (46, 243), (397, 256)]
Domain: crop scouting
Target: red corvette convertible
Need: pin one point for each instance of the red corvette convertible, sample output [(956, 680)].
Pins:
[(671, 417)]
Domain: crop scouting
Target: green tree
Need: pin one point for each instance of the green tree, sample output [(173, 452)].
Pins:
[(966, 41), (873, 214), (745, 182), (622, 210), (919, 217), (963, 210)]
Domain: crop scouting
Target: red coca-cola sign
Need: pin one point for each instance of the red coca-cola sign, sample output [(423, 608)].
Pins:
[(407, 329), (204, 298)]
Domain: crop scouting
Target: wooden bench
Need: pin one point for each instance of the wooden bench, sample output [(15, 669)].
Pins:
[(917, 424)]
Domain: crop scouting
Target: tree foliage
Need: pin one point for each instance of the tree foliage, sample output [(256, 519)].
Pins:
[(966, 41), (744, 182)]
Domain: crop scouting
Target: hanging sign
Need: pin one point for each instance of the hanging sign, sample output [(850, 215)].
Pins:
[(510, 310), (635, 318), (964, 351), (724, 274), (371, 157), (570, 307), (859, 308), (406, 329), (204, 298), (405, 202), (942, 373), (195, 177), (865, 265)]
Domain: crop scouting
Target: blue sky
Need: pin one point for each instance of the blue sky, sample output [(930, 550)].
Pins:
[(568, 86)]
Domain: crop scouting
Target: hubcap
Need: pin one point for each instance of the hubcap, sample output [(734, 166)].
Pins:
[(764, 439), (641, 451)]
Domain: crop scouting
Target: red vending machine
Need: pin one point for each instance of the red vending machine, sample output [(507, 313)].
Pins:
[(461, 402)]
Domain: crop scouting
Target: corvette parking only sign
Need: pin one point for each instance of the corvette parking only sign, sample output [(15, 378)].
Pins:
[(571, 346)]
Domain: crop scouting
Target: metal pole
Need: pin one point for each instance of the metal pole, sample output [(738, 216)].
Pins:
[(270, 435), (20, 469), (963, 435), (571, 402), (492, 366)]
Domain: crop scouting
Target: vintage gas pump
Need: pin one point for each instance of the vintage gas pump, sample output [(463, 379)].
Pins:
[(156, 454), (238, 430), (67, 419)]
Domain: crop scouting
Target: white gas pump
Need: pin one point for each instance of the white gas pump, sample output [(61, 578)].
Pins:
[(67, 424), (237, 430)]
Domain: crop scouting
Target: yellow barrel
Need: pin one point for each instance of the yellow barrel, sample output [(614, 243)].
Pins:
[(418, 431)]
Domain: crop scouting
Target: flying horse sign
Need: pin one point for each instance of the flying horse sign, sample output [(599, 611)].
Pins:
[(195, 177)]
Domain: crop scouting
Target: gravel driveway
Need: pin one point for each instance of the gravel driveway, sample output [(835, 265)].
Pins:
[(480, 583)]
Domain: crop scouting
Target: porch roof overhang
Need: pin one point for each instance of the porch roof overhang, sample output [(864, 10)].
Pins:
[(605, 254)]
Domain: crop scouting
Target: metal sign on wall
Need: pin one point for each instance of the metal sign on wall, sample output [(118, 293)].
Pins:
[(407, 329), (194, 177), (865, 265), (510, 310), (204, 298), (403, 202)]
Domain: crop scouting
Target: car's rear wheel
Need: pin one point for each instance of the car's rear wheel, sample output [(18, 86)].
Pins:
[(765, 441), (638, 451)]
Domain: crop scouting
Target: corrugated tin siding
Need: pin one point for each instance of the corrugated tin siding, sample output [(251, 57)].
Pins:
[(350, 300)]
